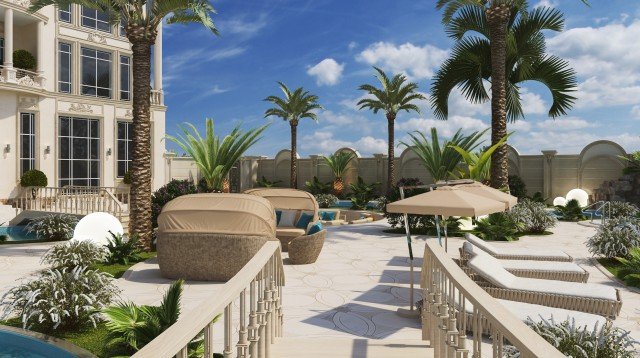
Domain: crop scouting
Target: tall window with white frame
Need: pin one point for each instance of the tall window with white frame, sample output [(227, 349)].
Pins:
[(27, 142), (96, 73), (64, 69), (123, 148), (1, 51), (95, 19), (79, 151), (64, 13), (125, 78)]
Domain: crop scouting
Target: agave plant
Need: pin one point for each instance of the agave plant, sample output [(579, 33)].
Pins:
[(338, 163), (215, 157), (478, 166), (441, 160)]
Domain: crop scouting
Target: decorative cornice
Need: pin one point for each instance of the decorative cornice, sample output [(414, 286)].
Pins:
[(30, 103), (27, 81), (97, 38), (80, 107), (128, 114), (23, 3)]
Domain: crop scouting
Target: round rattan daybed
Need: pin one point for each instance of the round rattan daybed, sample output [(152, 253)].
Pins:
[(210, 237)]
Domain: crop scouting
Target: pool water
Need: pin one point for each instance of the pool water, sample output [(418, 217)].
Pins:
[(15, 345), (17, 233), (346, 204)]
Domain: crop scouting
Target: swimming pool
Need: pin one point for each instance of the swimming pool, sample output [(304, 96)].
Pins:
[(346, 204), (17, 233), (13, 344)]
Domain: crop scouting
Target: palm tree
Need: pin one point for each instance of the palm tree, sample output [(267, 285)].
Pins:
[(215, 157), (395, 95), (293, 107), (507, 46), (478, 165), (142, 20), (441, 160), (338, 164)]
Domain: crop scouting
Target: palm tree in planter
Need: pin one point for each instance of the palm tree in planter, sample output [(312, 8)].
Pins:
[(214, 157), (502, 41), (142, 20), (395, 95), (293, 107), (338, 163)]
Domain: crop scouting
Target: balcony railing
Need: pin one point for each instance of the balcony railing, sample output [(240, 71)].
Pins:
[(22, 78), (259, 313), (456, 311), (157, 97)]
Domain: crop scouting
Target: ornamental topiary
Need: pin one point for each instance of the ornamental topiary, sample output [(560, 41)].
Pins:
[(33, 177), (615, 238), (165, 194), (23, 59)]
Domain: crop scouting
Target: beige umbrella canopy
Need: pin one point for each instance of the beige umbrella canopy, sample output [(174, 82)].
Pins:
[(491, 193), (447, 201)]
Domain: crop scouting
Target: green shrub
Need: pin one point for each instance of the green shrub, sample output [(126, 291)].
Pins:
[(517, 187), (53, 227), (498, 227), (265, 183), (416, 222), (122, 251), (620, 209), (630, 270), (538, 197), (4, 238), (615, 238), (362, 193), (61, 300), (173, 189), (581, 342), (126, 179), (23, 59), (326, 200), (73, 254), (33, 177), (316, 187), (571, 211), (533, 216)]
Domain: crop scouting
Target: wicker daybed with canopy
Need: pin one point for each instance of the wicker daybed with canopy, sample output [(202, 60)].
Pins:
[(210, 237)]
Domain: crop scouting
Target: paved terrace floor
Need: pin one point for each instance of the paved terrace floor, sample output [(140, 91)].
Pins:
[(352, 291)]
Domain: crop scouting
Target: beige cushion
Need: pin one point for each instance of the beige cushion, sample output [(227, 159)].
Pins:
[(472, 251), (495, 250), (491, 270), (288, 218), (289, 232)]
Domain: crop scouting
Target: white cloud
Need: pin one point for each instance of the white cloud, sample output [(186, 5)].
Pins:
[(323, 142), (352, 45), (519, 126), (175, 65), (327, 72), (565, 124), (241, 25), (445, 128), (415, 61), (635, 111), (532, 103), (546, 3)]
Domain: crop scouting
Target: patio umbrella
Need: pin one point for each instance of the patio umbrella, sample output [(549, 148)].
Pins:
[(444, 201), (490, 193)]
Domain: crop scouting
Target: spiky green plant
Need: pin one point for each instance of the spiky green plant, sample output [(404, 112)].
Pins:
[(122, 249), (633, 163), (362, 193), (315, 186), (571, 211), (478, 165), (630, 269), (213, 156), (441, 160), (338, 163), (396, 94), (294, 106), (499, 227)]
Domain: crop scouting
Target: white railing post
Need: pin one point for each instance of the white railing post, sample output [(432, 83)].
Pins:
[(242, 334), (253, 320), (227, 332)]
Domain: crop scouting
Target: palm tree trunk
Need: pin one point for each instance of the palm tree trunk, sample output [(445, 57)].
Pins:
[(294, 152), (140, 202), (498, 18), (391, 175)]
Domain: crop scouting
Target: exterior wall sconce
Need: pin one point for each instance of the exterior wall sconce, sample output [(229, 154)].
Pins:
[(47, 150), (7, 148), (108, 152)]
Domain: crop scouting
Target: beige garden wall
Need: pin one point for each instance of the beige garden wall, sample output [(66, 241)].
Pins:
[(549, 173)]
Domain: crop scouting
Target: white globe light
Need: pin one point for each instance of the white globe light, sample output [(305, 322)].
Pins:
[(95, 227), (580, 195), (559, 201)]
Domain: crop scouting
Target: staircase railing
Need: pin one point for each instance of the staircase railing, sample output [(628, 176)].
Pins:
[(70, 200), (460, 319), (254, 293)]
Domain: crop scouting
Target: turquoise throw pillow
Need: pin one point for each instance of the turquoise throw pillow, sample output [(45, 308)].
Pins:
[(278, 216), (327, 215), (304, 221), (315, 228)]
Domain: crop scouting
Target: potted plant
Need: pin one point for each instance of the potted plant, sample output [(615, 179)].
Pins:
[(24, 60), (34, 179)]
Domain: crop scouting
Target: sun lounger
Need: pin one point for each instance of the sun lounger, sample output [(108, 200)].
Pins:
[(510, 253), (584, 297), (561, 271)]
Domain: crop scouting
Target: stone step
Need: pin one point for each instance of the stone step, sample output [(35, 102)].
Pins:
[(349, 348)]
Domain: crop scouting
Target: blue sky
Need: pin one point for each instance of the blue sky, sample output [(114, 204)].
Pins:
[(329, 46)]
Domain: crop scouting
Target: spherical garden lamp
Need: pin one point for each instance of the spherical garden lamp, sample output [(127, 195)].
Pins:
[(580, 195), (559, 201), (95, 227)]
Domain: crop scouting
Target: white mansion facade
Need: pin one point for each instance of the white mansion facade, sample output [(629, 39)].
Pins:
[(70, 117)]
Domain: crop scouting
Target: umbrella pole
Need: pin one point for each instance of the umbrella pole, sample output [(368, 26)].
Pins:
[(401, 311), (438, 230), (446, 236)]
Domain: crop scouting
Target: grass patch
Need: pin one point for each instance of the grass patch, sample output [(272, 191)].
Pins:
[(117, 270), (614, 266)]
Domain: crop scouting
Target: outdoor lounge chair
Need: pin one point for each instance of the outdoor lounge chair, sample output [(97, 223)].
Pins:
[(306, 249), (518, 253), (210, 237), (584, 297), (560, 271)]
